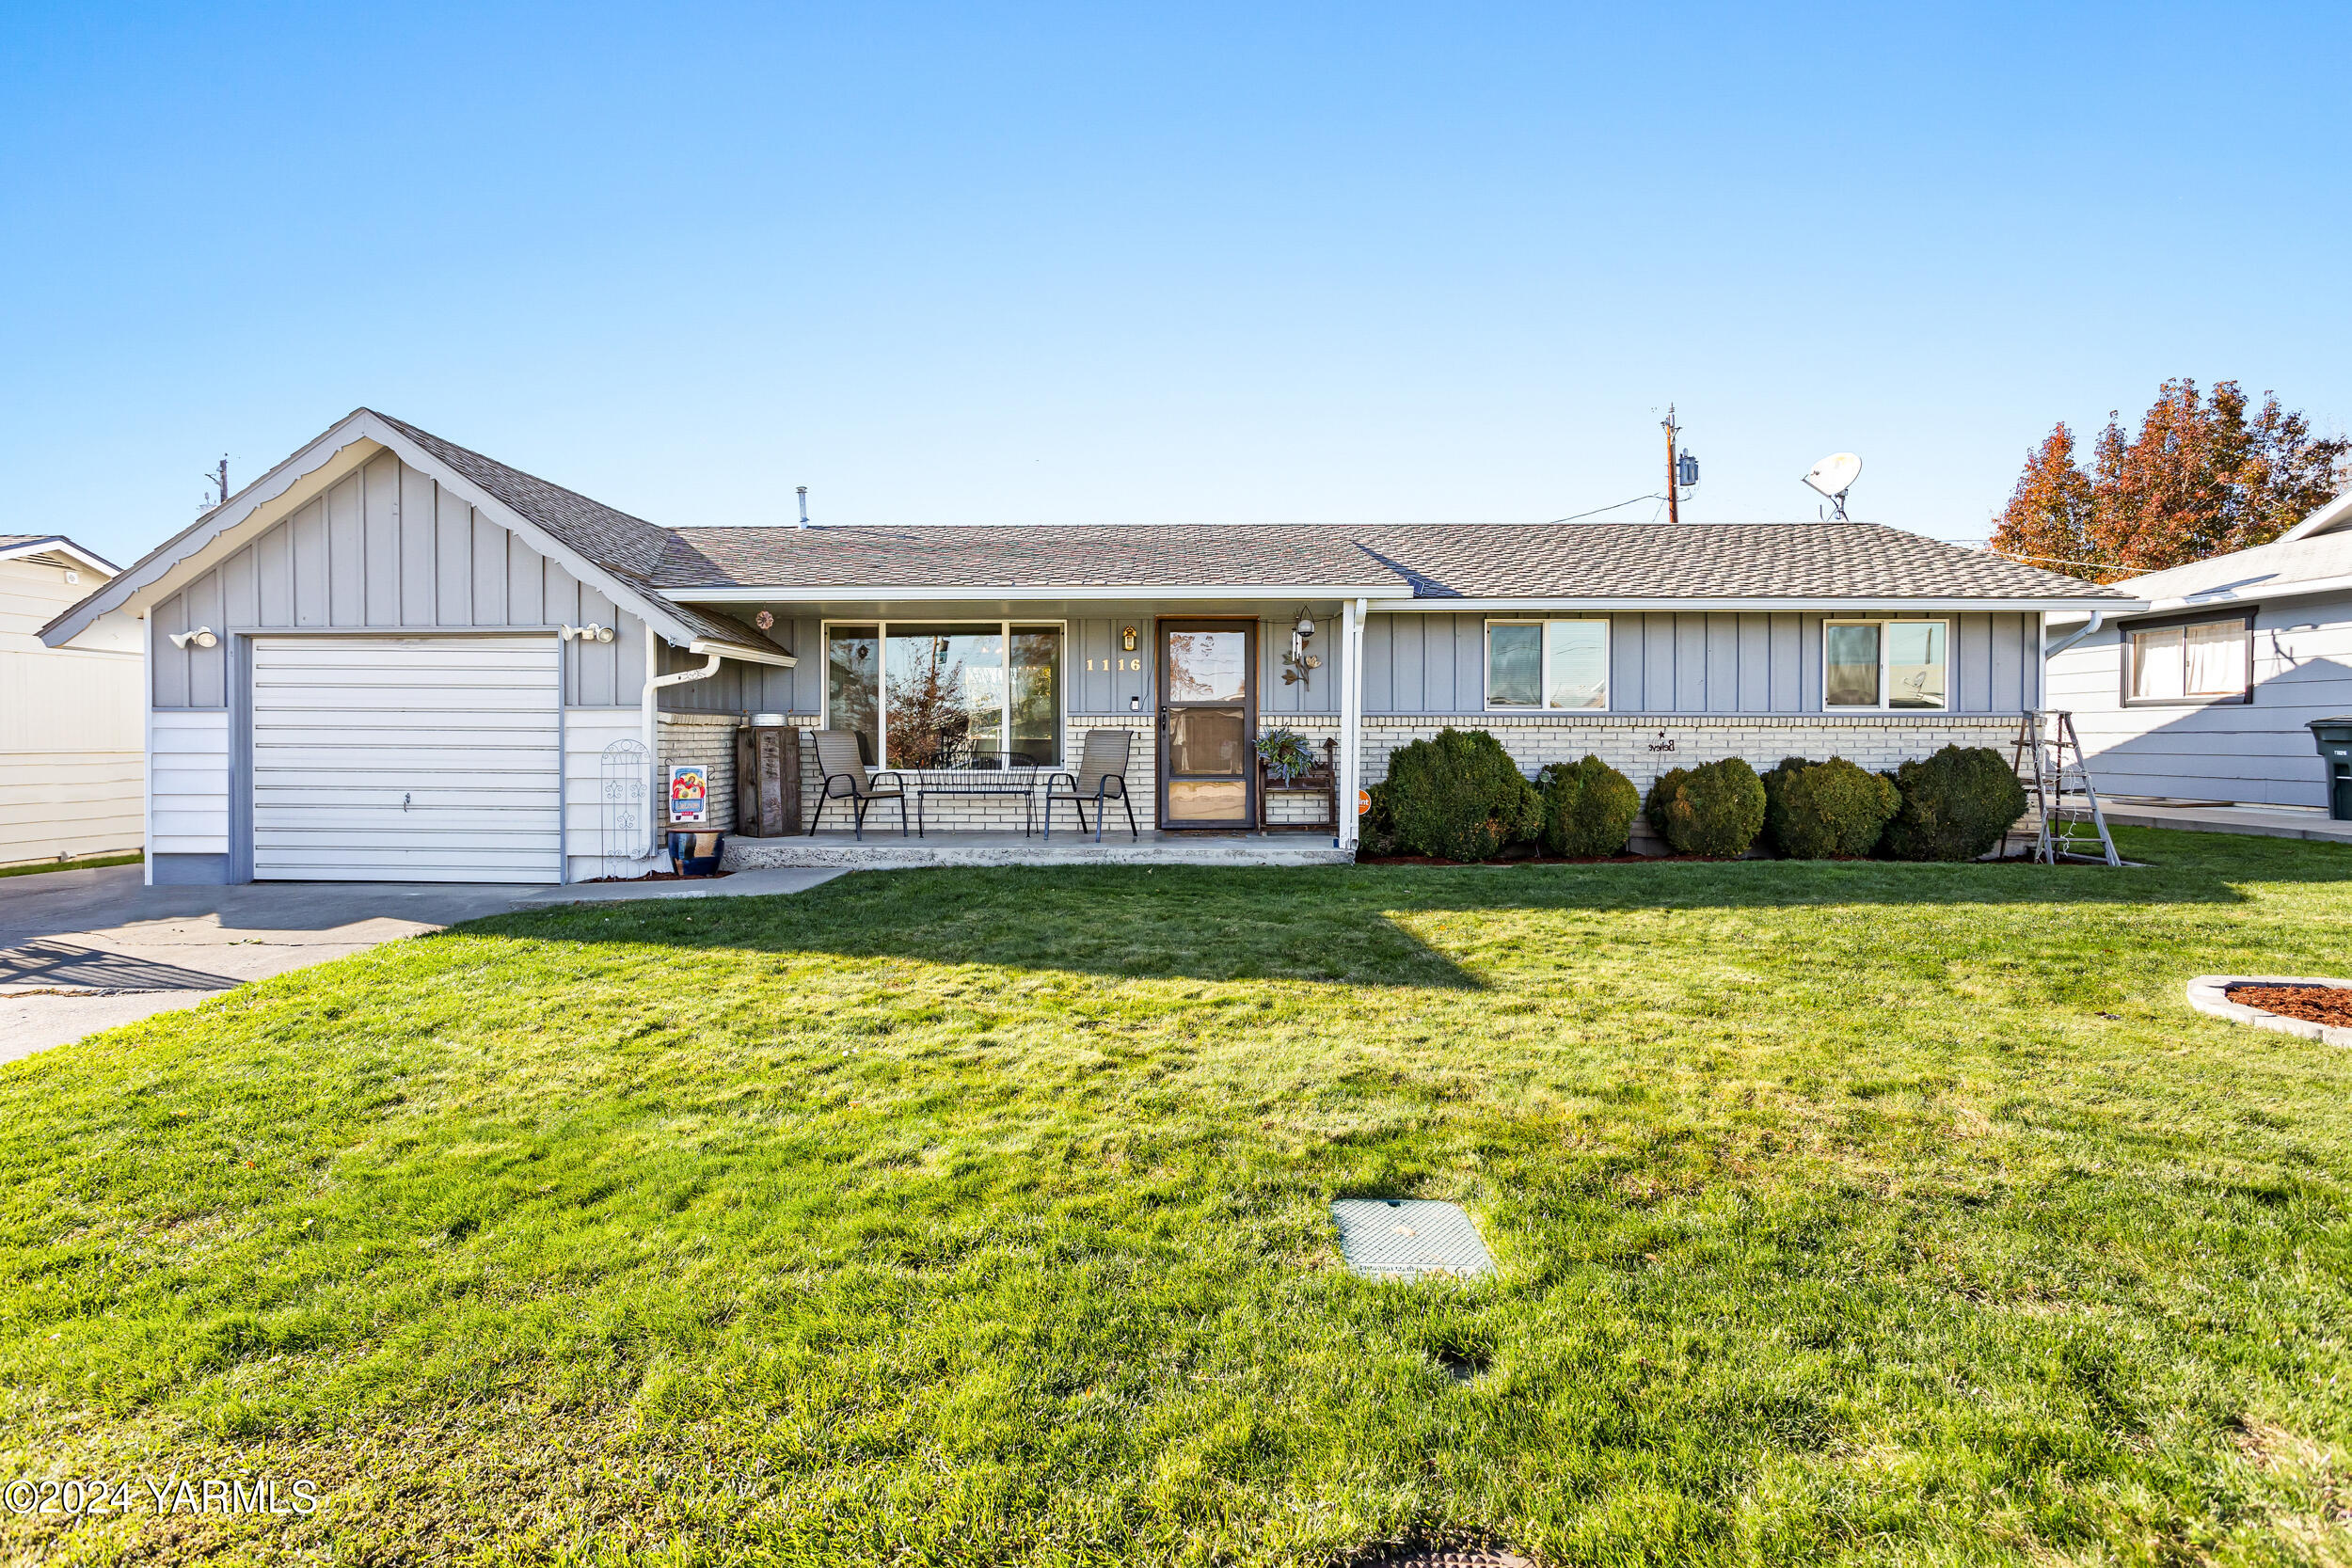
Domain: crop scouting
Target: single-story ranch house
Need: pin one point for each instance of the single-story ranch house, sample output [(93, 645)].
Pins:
[(392, 658)]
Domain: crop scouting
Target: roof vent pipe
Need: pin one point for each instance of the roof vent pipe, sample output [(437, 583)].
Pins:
[(805, 506)]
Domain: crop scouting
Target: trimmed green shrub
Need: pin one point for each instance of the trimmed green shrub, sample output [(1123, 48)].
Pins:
[(1460, 796), (1715, 809), (1956, 805), (1588, 808), (1376, 835), (1825, 810)]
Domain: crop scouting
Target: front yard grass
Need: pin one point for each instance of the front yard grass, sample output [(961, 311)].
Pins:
[(1845, 1212)]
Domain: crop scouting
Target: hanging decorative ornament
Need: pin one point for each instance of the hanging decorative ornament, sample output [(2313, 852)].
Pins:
[(765, 619)]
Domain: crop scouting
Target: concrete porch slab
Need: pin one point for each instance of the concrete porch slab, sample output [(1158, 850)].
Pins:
[(883, 851)]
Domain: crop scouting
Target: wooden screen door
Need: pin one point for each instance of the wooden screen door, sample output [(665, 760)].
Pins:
[(1208, 717)]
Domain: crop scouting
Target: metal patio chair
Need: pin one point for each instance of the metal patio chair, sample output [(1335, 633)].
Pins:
[(843, 770), (1102, 778)]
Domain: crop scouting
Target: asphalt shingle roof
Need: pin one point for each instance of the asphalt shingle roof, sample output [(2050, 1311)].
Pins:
[(1429, 561)]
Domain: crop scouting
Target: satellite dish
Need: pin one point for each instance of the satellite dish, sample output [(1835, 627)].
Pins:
[(1833, 476)]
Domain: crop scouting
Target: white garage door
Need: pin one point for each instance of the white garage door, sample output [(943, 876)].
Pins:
[(406, 759)]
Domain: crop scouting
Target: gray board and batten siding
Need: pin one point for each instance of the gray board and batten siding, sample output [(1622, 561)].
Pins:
[(1691, 662), (388, 550), (1099, 676), (1433, 662)]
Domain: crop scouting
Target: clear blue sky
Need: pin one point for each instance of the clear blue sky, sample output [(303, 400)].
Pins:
[(1105, 263)]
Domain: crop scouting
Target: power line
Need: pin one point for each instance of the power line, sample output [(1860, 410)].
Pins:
[(2061, 560), (1599, 510)]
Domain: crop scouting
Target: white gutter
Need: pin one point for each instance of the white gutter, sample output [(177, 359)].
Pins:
[(986, 593), (2098, 619), (736, 649), (1750, 603)]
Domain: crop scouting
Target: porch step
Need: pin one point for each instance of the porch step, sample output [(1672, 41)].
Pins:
[(881, 852)]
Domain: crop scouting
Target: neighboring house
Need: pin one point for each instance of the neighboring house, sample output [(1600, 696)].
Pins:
[(366, 663), (2205, 693), (70, 716)]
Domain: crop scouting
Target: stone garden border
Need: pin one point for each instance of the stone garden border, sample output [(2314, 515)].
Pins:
[(2209, 993)]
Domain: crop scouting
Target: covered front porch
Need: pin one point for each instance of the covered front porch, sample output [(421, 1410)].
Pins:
[(976, 709)]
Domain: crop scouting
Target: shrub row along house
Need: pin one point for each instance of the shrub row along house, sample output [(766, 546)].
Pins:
[(391, 657)]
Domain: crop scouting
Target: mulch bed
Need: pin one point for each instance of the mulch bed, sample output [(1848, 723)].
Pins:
[(2329, 1005), (662, 877)]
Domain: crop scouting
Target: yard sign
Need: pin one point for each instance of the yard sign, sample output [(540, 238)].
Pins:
[(689, 792)]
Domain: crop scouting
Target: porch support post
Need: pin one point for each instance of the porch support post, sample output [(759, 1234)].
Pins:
[(1351, 723)]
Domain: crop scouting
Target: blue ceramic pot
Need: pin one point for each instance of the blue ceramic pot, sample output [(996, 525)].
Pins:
[(695, 865)]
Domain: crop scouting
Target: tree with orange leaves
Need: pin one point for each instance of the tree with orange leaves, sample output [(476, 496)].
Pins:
[(2198, 478)]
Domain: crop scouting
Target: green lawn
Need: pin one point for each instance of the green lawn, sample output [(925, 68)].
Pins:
[(1846, 1212)]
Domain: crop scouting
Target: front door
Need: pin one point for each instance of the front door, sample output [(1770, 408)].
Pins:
[(1208, 716)]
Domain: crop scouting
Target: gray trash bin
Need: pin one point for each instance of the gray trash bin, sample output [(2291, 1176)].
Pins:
[(2334, 737)]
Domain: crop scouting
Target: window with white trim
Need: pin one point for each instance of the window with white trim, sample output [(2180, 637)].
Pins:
[(1537, 665), (946, 693), (2190, 663), (1886, 664)]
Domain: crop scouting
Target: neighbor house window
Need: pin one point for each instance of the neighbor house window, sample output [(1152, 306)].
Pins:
[(2200, 661), (1547, 664), (1884, 664), (946, 693)]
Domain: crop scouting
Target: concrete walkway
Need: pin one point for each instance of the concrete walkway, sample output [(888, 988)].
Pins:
[(89, 949), (2199, 816)]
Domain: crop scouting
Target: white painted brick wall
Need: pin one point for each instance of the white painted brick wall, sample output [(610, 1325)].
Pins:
[(705, 737), (1642, 746), (1001, 812)]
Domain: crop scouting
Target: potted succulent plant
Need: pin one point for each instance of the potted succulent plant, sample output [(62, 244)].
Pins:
[(1286, 754)]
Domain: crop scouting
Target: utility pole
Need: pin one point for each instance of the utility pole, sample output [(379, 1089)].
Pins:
[(220, 479), (1673, 503)]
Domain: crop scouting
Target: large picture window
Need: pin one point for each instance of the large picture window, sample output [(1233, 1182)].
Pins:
[(1547, 664), (947, 694), (2197, 661), (1886, 664)]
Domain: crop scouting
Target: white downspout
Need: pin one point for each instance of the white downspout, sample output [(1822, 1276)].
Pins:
[(147, 762), (2051, 650), (649, 708)]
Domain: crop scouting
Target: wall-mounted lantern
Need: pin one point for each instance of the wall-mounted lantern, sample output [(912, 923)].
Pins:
[(1127, 638), (1298, 661)]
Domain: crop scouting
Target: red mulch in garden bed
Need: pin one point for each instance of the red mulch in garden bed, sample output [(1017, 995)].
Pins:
[(2329, 1005)]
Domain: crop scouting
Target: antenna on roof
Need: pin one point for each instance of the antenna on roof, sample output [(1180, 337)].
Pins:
[(220, 479), (1833, 476), (805, 506)]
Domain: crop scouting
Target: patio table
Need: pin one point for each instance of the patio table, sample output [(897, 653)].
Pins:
[(1014, 775)]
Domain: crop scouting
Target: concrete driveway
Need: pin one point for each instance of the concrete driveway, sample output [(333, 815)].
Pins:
[(86, 950)]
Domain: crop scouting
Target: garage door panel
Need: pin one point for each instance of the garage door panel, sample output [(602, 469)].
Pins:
[(364, 666), (392, 826), (408, 759), (338, 699), (326, 786)]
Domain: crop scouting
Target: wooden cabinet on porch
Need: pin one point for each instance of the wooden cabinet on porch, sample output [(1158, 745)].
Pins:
[(767, 781)]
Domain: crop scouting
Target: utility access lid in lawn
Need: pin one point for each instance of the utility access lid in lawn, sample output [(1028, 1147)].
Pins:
[(1405, 1238)]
